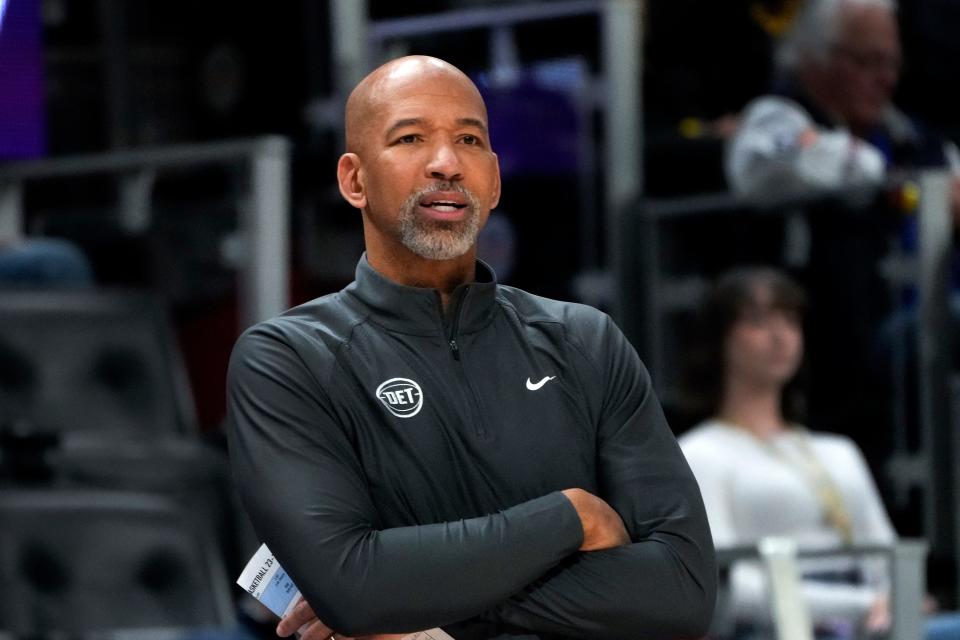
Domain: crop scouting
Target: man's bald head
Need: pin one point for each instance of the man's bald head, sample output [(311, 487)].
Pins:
[(380, 86)]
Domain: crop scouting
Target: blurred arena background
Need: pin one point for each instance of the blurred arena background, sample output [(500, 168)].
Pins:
[(188, 150)]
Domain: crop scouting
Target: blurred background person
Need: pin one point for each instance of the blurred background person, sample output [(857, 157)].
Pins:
[(828, 135), (763, 473), (830, 126)]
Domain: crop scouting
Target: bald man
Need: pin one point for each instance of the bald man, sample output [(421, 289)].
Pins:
[(429, 448)]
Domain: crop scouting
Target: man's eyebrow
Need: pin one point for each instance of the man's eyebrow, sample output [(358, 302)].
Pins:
[(474, 122), (400, 124), (412, 122)]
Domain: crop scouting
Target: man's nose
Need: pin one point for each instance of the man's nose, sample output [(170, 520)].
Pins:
[(444, 163), (889, 78)]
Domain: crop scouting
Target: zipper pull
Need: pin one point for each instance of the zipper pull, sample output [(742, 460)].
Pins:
[(455, 350)]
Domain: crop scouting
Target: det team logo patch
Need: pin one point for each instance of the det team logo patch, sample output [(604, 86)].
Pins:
[(401, 396)]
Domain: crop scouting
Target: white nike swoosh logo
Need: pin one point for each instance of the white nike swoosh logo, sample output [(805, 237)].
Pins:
[(533, 386)]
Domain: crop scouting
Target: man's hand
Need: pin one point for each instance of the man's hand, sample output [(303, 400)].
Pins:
[(602, 526), (303, 617)]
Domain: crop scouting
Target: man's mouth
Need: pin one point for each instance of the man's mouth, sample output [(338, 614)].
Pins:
[(443, 203), (445, 206)]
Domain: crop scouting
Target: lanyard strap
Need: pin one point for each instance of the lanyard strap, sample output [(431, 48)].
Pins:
[(808, 466), (812, 470)]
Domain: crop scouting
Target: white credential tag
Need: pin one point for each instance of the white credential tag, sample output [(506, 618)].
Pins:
[(265, 580)]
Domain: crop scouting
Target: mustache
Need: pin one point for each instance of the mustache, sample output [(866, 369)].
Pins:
[(473, 203), (446, 186)]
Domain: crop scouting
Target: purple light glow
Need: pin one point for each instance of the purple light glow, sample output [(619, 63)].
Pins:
[(22, 118)]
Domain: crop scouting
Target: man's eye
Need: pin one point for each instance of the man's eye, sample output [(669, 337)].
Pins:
[(470, 140), (410, 138)]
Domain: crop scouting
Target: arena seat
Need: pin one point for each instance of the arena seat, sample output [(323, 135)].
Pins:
[(81, 562), (90, 361)]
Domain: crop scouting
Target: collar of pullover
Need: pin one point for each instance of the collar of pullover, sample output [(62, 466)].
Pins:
[(418, 311)]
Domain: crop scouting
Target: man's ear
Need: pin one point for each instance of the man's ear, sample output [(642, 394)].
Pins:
[(350, 179), (495, 196)]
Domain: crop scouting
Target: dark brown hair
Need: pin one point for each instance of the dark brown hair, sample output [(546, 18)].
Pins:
[(733, 294)]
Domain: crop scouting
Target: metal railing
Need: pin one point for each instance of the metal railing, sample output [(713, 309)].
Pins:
[(264, 213), (790, 613)]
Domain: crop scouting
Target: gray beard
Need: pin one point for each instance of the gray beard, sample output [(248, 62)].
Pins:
[(438, 239)]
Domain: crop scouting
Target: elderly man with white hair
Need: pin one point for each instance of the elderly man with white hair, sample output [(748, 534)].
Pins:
[(831, 128)]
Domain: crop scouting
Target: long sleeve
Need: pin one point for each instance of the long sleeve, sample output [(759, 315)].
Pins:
[(873, 525), (779, 154), (308, 498), (663, 584)]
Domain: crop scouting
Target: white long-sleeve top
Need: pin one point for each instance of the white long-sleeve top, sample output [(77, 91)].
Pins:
[(780, 154), (753, 488), (773, 158)]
